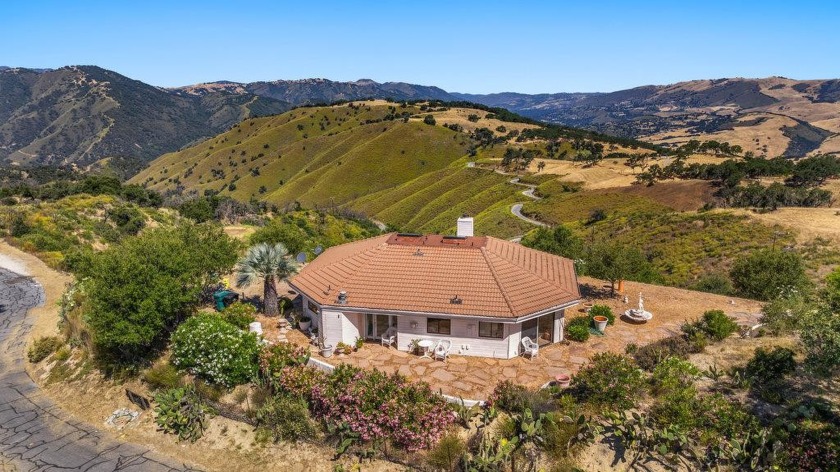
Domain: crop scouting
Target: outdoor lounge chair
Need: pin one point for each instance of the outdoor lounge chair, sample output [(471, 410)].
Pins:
[(389, 337), (530, 347), (442, 349)]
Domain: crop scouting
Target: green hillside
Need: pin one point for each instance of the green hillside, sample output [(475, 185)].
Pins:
[(375, 158)]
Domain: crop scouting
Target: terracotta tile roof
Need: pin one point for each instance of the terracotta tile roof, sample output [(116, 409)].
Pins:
[(415, 273)]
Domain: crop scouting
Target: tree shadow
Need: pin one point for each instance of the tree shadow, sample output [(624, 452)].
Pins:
[(598, 292)]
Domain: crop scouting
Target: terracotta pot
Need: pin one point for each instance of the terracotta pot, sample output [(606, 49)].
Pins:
[(563, 380), (600, 322)]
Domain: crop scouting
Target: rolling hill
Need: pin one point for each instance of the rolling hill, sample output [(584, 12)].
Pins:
[(82, 114), (772, 116), (373, 157)]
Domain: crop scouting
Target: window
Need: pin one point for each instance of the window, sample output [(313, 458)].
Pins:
[(312, 307), (438, 326), (490, 330)]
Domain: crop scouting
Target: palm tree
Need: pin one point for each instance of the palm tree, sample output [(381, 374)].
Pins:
[(269, 264)]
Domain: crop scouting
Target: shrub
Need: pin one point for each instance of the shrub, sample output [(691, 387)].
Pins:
[(715, 283), (274, 358), (821, 339), (812, 446), (142, 287), (180, 411), (447, 453), (675, 394), (42, 348), (162, 376), (767, 366), (578, 329), (515, 398), (239, 314), (602, 310), (300, 380), (213, 349), (377, 406), (766, 273), (717, 325), (429, 120), (647, 357), (287, 418), (609, 380)]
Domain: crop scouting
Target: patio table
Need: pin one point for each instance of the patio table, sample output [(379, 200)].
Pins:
[(426, 344)]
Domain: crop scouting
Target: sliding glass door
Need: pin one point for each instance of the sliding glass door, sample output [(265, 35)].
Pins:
[(376, 325)]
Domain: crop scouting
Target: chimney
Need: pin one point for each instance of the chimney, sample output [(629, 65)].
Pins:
[(465, 226)]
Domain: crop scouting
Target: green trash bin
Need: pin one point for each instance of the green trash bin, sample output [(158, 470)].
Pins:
[(223, 298)]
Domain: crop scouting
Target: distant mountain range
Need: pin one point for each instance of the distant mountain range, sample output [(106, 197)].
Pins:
[(82, 114)]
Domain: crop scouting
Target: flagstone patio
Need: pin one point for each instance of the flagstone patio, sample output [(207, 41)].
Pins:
[(475, 377)]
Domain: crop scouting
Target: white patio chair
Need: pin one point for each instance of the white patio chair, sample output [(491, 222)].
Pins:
[(442, 349), (530, 347), (389, 337)]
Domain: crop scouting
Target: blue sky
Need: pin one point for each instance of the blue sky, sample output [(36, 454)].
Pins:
[(477, 47)]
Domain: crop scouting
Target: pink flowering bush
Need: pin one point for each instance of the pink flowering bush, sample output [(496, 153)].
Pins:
[(378, 406)]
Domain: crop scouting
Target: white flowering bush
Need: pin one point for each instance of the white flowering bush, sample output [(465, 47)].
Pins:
[(211, 348)]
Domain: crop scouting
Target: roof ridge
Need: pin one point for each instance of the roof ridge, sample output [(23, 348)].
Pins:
[(496, 279), (528, 249)]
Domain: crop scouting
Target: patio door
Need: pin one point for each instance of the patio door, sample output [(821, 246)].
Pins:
[(545, 327), (540, 330), (529, 329), (376, 325)]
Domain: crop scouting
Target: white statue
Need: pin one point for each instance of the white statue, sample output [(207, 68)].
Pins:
[(641, 303)]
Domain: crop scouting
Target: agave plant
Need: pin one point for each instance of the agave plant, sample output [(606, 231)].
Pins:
[(269, 264)]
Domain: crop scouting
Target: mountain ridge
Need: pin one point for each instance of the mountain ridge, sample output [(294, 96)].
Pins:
[(80, 115)]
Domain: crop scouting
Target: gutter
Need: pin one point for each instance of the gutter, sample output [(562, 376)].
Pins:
[(494, 319)]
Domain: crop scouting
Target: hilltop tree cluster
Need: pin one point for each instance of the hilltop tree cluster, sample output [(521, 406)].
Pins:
[(800, 187)]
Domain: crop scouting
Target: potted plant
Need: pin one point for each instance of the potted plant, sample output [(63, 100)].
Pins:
[(326, 350), (359, 343), (304, 323), (414, 346), (600, 322), (602, 316)]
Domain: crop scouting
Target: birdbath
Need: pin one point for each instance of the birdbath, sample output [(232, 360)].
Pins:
[(639, 315)]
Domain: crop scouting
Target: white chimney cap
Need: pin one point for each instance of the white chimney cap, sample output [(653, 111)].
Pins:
[(465, 226)]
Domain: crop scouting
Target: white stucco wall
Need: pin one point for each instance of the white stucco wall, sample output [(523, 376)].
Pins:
[(340, 327), (336, 326), (464, 337)]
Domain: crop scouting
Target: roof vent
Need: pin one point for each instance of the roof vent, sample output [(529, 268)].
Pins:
[(455, 300), (418, 252), (342, 298), (465, 226)]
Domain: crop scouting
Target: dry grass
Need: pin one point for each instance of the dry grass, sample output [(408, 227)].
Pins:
[(810, 223), (768, 133), (459, 116)]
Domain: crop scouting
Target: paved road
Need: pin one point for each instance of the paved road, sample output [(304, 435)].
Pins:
[(35, 434), (516, 208)]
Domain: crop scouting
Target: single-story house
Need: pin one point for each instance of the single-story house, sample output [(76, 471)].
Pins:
[(481, 293)]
